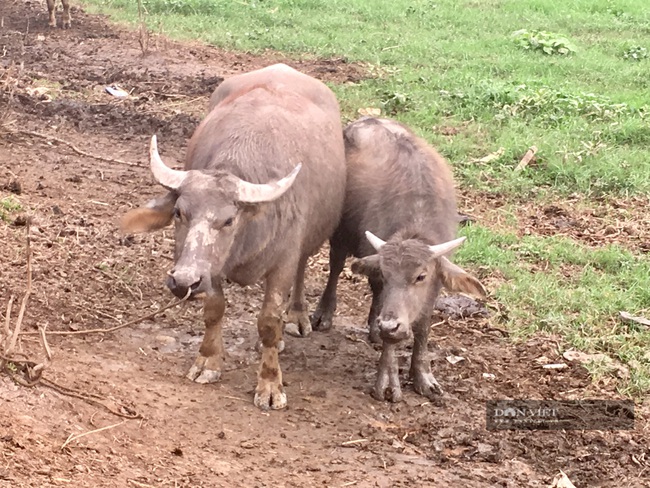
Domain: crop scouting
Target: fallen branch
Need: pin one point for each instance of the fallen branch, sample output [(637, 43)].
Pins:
[(117, 327), (526, 159), (7, 329), (23, 306), (628, 317), (79, 436), (75, 148)]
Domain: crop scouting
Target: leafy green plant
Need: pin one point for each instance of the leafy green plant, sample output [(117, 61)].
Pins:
[(635, 53), (544, 104), (547, 42), (393, 103), (8, 205)]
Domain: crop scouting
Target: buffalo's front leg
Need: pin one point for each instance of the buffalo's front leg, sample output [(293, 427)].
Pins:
[(297, 323), (376, 285), (387, 385), (424, 382), (207, 366), (324, 314), (270, 391)]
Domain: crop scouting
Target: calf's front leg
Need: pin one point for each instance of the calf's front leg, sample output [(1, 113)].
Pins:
[(387, 385), (208, 365), (424, 382)]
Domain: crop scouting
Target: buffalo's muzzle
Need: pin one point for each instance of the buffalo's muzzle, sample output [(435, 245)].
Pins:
[(180, 287), (393, 330)]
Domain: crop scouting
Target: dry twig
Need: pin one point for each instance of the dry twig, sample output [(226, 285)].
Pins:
[(173, 303), (23, 306), (72, 437), (75, 148)]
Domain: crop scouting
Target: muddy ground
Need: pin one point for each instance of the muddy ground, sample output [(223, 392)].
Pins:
[(86, 275)]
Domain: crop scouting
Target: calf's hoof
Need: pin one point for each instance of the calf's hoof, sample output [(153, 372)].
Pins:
[(297, 324), (321, 320), (387, 387), (270, 394), (426, 385), (205, 370)]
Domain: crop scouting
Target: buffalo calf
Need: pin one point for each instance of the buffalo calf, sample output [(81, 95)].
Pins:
[(400, 220), (51, 7)]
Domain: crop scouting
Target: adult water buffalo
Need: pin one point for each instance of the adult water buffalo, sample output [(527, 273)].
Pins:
[(263, 188), (400, 218)]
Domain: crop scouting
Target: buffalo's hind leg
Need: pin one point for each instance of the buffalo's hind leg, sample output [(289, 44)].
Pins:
[(297, 322), (207, 366), (67, 20), (324, 314), (51, 11)]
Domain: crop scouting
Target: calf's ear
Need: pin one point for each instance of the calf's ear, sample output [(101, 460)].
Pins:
[(368, 266), (456, 279), (155, 215)]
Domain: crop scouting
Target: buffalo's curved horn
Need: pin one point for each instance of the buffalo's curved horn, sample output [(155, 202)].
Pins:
[(265, 192), (375, 241), (441, 249), (167, 177)]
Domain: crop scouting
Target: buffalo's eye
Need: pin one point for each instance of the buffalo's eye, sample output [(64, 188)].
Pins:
[(421, 278), (177, 213), (228, 222)]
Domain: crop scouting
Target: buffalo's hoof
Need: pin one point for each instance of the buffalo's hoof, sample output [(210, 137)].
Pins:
[(269, 394), (258, 346), (205, 370), (297, 324)]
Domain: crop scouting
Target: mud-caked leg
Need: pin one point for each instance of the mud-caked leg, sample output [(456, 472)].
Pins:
[(376, 285), (387, 385), (67, 20), (270, 391), (208, 365), (324, 314), (51, 11), (297, 323), (424, 382)]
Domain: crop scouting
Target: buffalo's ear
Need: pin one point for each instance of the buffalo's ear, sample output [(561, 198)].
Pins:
[(456, 279), (155, 215), (368, 266)]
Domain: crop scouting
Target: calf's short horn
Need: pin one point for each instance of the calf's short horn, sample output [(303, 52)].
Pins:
[(441, 249)]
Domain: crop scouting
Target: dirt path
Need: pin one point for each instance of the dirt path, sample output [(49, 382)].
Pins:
[(86, 275)]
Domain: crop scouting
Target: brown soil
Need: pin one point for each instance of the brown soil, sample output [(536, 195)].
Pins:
[(87, 275), (594, 223)]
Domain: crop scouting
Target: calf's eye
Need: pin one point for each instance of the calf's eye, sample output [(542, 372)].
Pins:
[(177, 213), (421, 278), (228, 222)]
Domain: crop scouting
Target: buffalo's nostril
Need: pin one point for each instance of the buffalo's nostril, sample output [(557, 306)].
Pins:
[(194, 286), (395, 329), (171, 282)]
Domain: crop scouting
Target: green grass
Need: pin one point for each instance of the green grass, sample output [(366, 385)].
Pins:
[(456, 63), (578, 294), (8, 205)]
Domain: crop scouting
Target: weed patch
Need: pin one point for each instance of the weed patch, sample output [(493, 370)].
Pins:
[(545, 42)]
